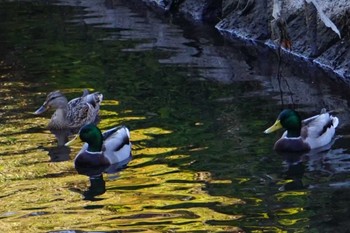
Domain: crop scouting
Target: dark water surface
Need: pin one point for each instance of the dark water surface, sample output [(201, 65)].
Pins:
[(196, 106)]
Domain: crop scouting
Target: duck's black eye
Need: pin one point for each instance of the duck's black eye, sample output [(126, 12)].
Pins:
[(53, 97)]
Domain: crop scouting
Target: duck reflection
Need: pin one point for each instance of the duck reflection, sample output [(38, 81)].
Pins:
[(331, 162), (62, 135), (322, 160), (97, 187), (59, 153), (97, 183), (294, 172)]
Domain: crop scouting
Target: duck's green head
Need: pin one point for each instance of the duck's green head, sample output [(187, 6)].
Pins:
[(92, 136), (288, 119)]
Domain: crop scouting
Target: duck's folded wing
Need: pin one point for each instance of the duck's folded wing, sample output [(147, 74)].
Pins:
[(81, 115), (116, 139), (119, 129), (117, 146), (323, 111), (73, 103), (321, 124), (94, 99)]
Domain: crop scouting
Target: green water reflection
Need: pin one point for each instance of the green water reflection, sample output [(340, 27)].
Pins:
[(200, 162)]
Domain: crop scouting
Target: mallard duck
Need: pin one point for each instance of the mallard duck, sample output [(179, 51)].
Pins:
[(301, 136), (73, 114), (101, 149)]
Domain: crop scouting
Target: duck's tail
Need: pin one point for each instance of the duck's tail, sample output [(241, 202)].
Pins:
[(335, 121), (94, 99)]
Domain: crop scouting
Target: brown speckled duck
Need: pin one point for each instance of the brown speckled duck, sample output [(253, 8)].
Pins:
[(302, 136), (73, 114)]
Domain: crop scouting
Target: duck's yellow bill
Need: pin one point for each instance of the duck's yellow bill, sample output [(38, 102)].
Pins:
[(277, 125), (73, 141)]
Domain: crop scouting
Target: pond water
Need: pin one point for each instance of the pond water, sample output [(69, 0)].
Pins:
[(196, 106)]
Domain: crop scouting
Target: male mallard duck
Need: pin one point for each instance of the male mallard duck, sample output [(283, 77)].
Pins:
[(311, 133), (73, 114), (100, 149)]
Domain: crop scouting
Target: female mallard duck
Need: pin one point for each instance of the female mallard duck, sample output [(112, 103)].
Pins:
[(101, 149), (301, 136), (73, 114)]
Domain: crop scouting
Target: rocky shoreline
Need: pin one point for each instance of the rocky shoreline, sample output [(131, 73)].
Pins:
[(251, 20)]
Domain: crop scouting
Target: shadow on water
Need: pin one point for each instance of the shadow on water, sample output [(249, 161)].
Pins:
[(196, 106)]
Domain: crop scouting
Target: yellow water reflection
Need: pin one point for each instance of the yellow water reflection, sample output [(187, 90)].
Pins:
[(38, 195)]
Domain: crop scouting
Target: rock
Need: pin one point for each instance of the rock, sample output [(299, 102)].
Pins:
[(247, 20), (309, 36), (251, 20), (201, 10)]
